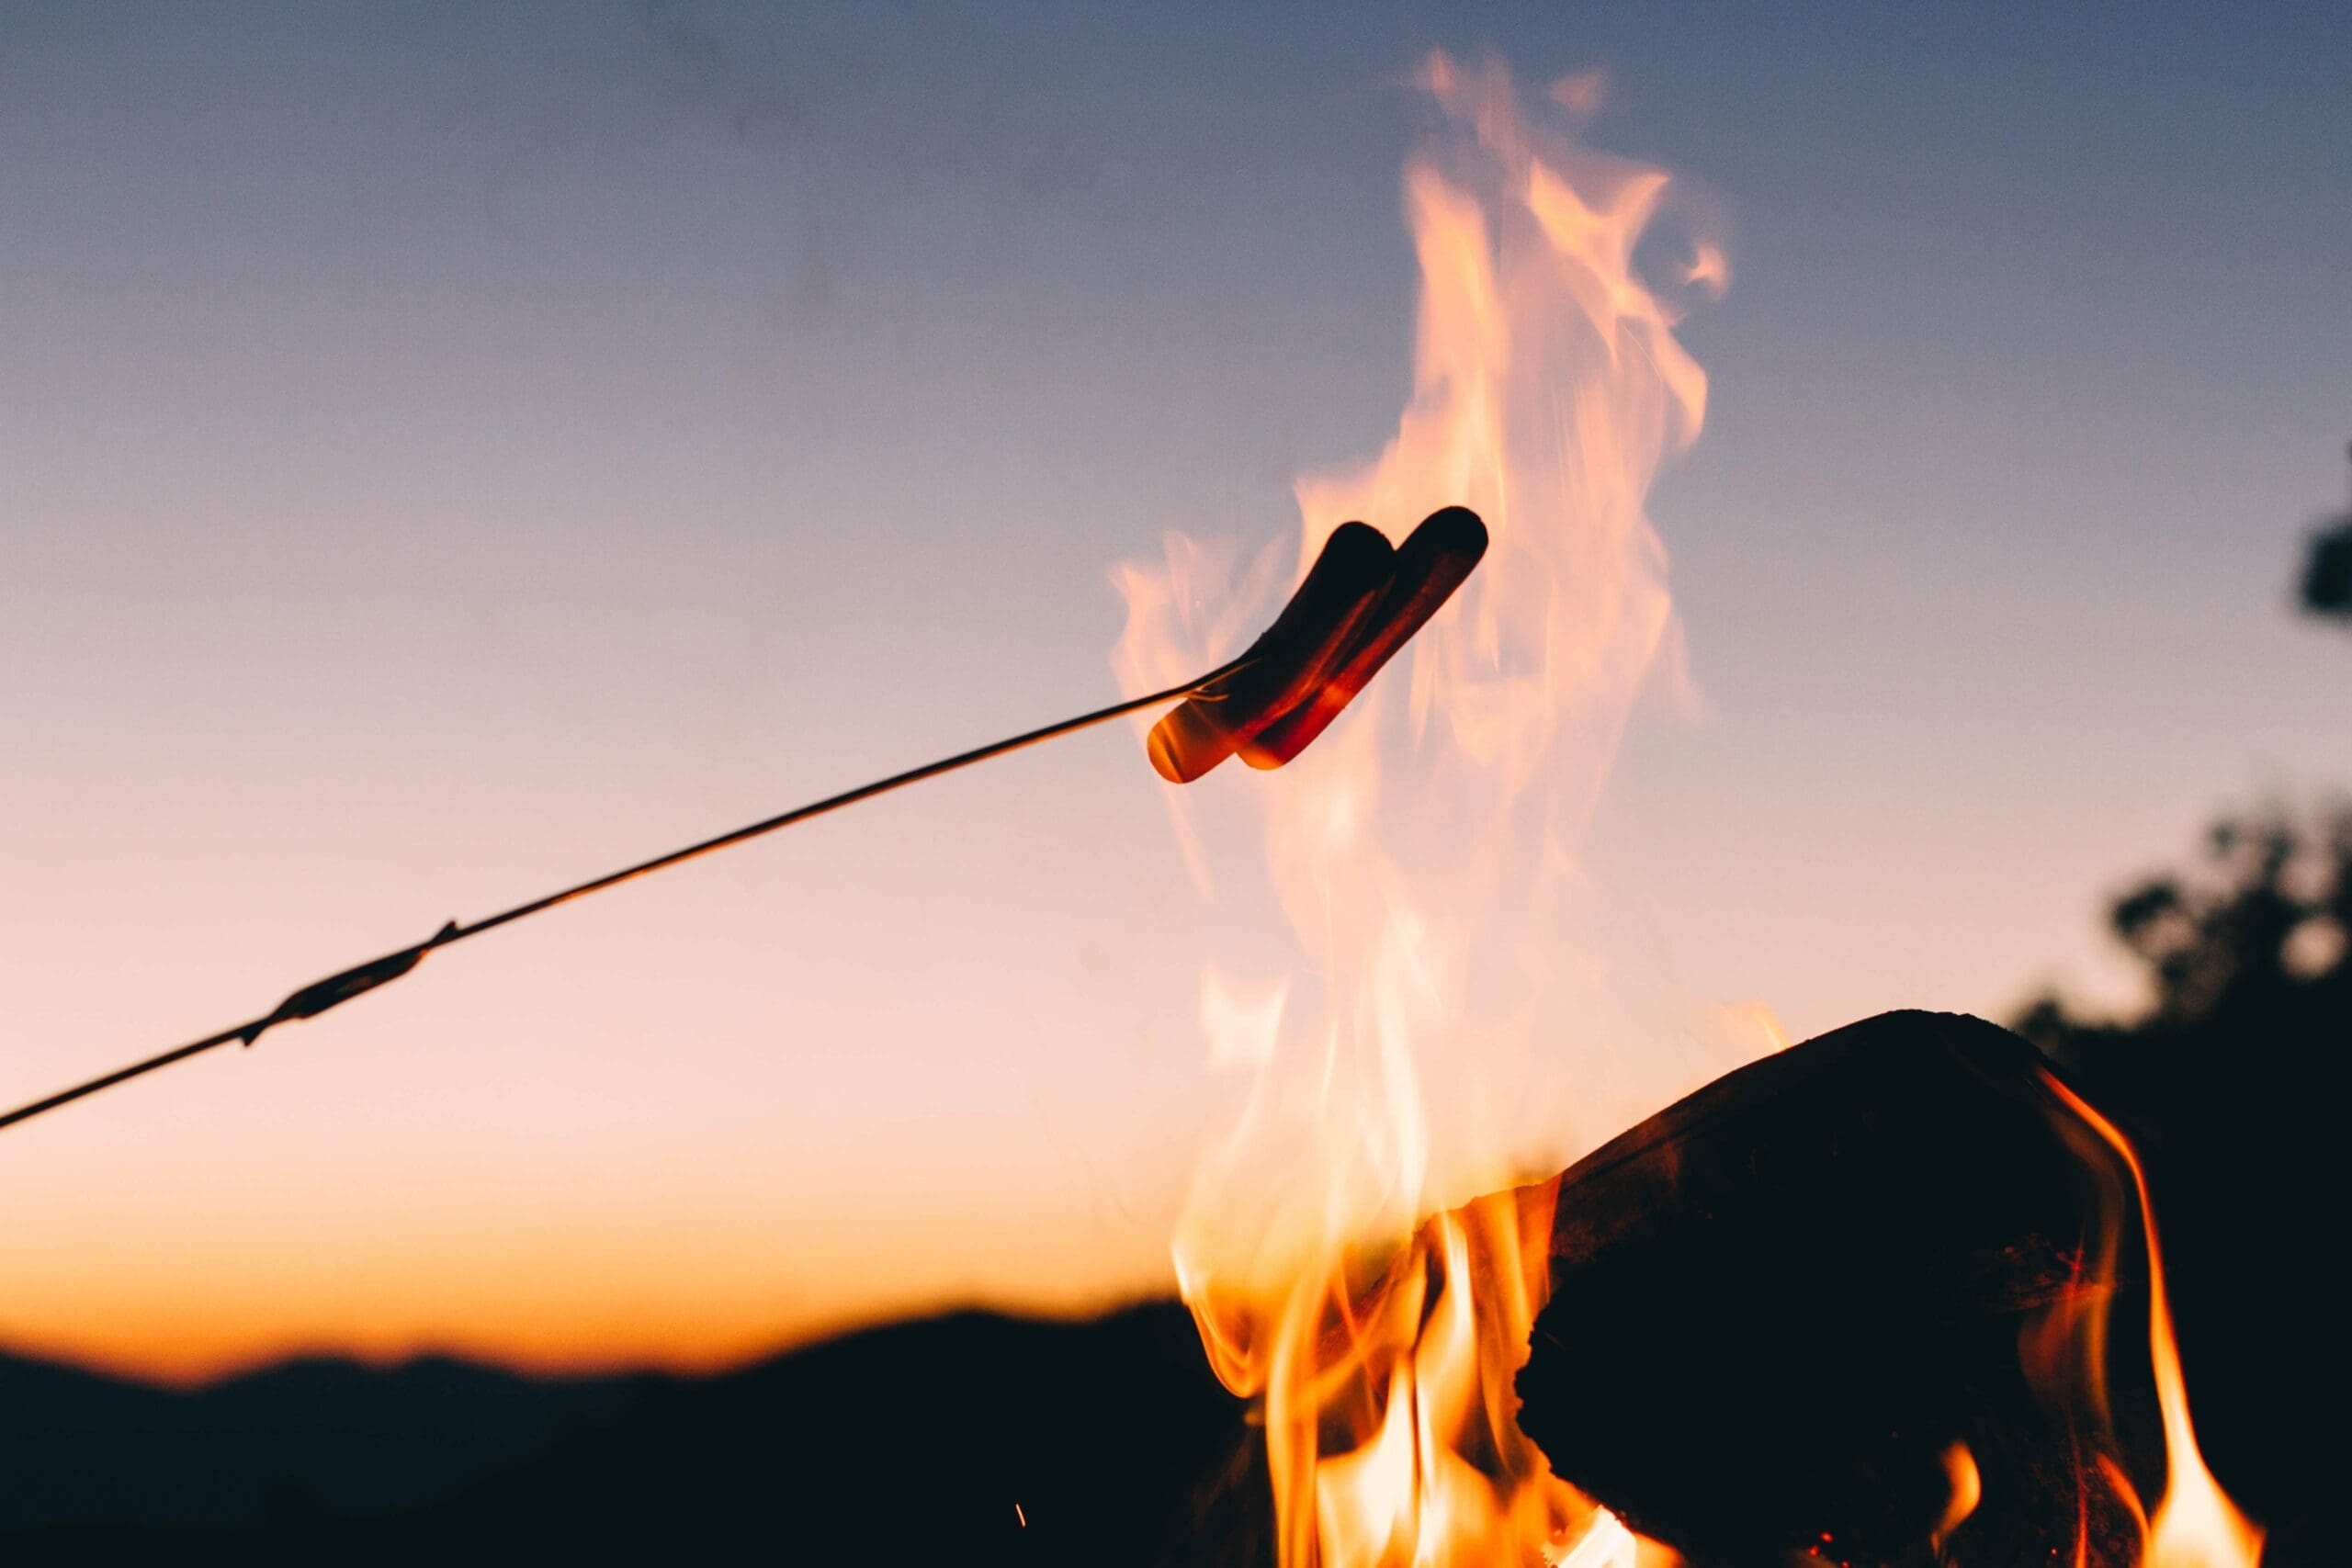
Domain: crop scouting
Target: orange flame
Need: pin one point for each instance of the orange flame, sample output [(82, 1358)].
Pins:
[(1967, 1490), (2195, 1525), (1442, 924)]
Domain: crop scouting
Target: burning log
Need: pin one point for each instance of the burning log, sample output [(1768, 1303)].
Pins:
[(1828, 1300)]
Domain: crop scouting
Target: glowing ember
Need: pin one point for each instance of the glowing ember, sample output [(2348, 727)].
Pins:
[(1441, 925)]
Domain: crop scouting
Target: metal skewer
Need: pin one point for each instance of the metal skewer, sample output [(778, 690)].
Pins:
[(1359, 603), (338, 988)]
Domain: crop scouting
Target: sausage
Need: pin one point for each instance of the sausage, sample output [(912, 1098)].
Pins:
[(1285, 666), (1429, 565)]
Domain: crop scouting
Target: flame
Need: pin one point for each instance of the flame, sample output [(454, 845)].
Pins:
[(1967, 1490), (1335, 1263), (2195, 1525), (1403, 918)]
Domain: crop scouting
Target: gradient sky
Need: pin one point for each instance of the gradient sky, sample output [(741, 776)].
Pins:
[(447, 451)]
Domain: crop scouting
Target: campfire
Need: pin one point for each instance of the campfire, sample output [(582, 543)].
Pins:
[(1512, 1267), (1851, 1303)]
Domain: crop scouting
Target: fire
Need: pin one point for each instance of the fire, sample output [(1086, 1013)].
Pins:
[(1339, 1264), (1967, 1490), (2195, 1525), (1432, 931)]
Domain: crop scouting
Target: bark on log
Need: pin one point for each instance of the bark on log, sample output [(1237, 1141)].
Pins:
[(1778, 1305)]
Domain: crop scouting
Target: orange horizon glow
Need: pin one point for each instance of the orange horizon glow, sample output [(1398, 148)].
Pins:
[(560, 1312), (160, 1350)]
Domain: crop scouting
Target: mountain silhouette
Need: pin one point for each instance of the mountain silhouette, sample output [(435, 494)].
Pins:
[(969, 1439)]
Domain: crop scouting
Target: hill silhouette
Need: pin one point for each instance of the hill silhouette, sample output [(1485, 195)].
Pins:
[(970, 1437), (80, 1446)]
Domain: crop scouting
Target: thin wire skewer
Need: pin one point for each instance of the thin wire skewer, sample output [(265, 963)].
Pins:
[(335, 990)]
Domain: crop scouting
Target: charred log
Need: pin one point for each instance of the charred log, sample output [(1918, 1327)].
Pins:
[(1780, 1306)]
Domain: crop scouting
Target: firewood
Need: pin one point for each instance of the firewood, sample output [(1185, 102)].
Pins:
[(1778, 1306)]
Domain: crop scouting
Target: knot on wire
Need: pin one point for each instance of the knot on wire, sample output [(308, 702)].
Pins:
[(341, 987)]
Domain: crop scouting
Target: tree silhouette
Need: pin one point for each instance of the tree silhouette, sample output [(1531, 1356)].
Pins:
[(2327, 577), (2257, 937)]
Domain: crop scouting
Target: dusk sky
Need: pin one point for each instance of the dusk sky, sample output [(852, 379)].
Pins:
[(448, 452)]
